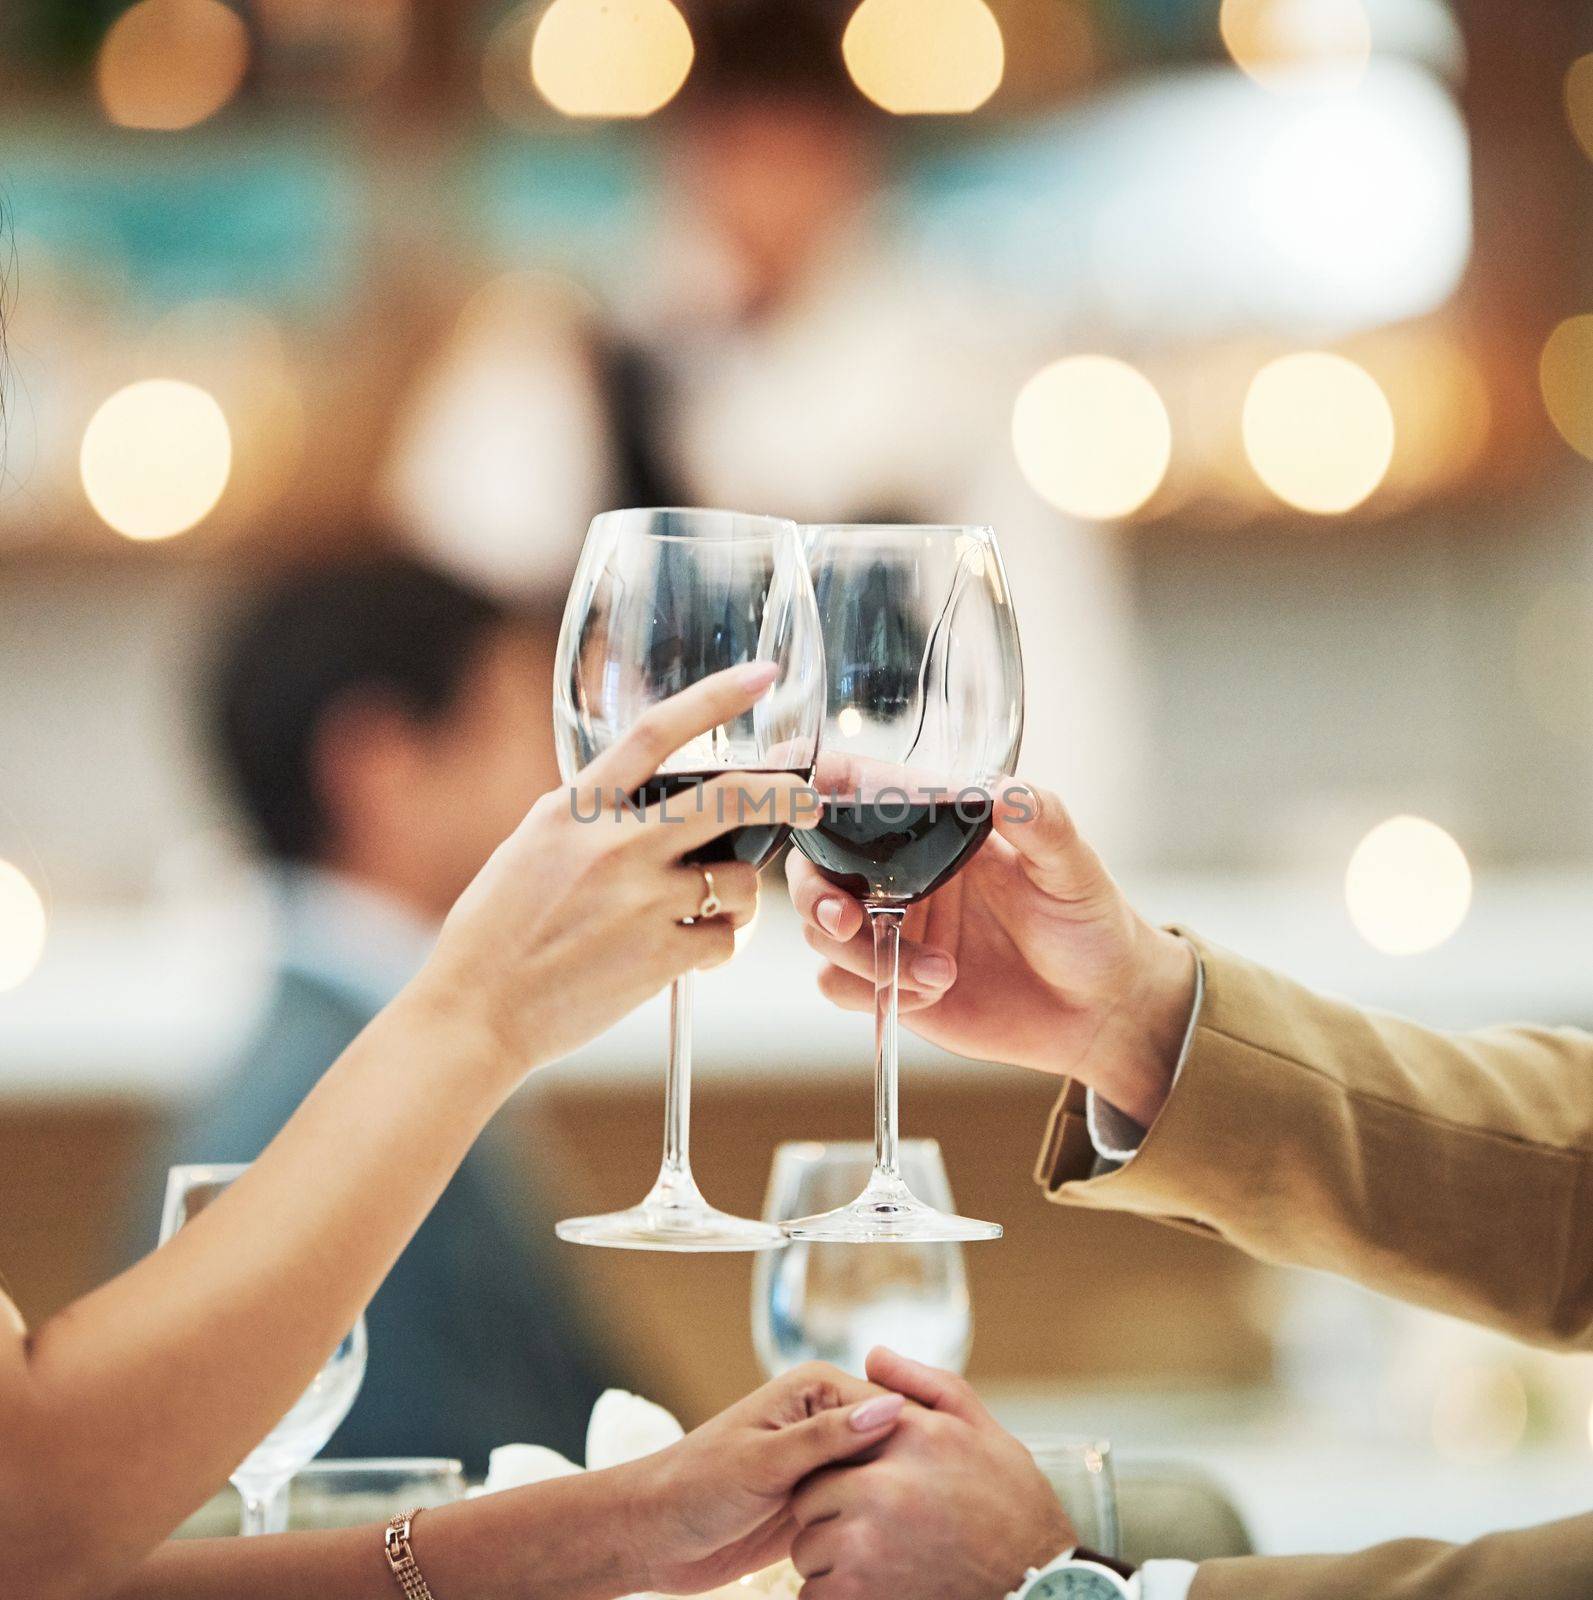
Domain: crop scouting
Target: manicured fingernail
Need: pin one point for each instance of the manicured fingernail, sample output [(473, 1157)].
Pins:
[(758, 675), (877, 1412), (828, 912), (932, 970)]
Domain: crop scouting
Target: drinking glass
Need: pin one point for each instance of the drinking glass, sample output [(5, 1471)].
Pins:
[(827, 1302), (349, 1494), (661, 599), (1081, 1472), (263, 1477), (924, 717)]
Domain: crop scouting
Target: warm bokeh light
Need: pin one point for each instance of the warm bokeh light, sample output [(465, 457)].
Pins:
[(1579, 102), (925, 57), (22, 927), (1408, 886), (610, 58), (850, 722), (1092, 436), (1480, 1414), (1318, 430), (1565, 375), (1293, 45), (156, 458), (168, 64)]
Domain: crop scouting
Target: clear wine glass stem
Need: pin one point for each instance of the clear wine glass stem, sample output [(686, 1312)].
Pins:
[(887, 925), (676, 1186), (265, 1511)]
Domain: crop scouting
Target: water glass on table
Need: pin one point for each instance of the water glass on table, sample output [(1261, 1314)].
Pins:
[(1081, 1473), (350, 1494), (831, 1302), (262, 1479)]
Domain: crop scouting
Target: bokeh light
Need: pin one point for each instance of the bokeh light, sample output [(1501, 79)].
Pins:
[(22, 926), (1480, 1414), (156, 458), (1289, 46), (1579, 102), (1092, 436), (1565, 377), (169, 64), (850, 722), (1318, 430), (610, 58), (1408, 886), (925, 57)]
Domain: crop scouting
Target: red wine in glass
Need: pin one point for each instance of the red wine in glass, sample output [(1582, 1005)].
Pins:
[(757, 841), (893, 851)]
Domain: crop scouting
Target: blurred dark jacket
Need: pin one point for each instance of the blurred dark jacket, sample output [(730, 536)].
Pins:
[(475, 1337)]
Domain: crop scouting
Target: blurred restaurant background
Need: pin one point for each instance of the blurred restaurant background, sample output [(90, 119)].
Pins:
[(1263, 334)]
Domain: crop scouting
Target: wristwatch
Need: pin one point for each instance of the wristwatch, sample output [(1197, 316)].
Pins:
[(1078, 1574)]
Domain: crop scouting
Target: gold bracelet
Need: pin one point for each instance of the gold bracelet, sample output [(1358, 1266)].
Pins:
[(401, 1557)]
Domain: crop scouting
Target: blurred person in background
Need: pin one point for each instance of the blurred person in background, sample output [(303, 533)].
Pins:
[(1451, 1170), (776, 340), (383, 727)]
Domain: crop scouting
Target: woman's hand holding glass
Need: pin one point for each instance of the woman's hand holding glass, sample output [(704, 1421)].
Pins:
[(587, 909)]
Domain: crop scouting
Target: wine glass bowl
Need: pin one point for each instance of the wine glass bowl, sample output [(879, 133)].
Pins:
[(924, 717), (663, 598), (829, 1302), (262, 1478)]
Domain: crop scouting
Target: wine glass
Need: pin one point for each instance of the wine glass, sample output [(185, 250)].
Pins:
[(661, 599), (263, 1477), (924, 716), (827, 1302)]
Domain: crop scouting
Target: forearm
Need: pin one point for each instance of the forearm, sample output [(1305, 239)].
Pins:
[(556, 1541), (131, 1407), (1445, 1169), (1551, 1562)]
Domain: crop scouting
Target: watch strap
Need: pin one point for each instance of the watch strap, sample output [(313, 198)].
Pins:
[(1124, 1569)]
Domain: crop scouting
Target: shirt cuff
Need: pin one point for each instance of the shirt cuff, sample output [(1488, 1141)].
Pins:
[(1164, 1580), (1117, 1137)]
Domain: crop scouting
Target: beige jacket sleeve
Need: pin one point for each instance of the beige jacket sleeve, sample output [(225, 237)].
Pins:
[(1552, 1562), (1451, 1170)]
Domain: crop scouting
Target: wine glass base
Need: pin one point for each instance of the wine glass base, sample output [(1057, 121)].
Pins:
[(649, 1227), (893, 1217)]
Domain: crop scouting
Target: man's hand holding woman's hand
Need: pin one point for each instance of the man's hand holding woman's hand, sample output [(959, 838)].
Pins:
[(1031, 954), (952, 1507), (718, 1504)]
